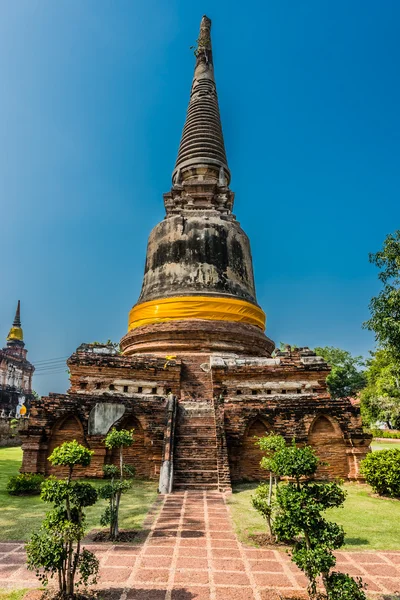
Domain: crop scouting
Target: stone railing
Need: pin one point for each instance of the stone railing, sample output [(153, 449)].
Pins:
[(224, 477), (167, 465)]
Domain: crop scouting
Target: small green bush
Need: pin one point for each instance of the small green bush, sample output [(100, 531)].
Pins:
[(381, 470), (385, 433), (25, 484), (341, 586)]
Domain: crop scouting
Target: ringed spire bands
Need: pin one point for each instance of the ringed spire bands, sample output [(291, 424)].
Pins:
[(202, 149)]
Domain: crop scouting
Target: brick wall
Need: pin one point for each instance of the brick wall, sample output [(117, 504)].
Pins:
[(59, 418), (286, 396), (248, 395)]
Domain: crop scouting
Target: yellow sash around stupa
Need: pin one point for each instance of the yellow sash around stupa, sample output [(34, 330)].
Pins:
[(180, 308)]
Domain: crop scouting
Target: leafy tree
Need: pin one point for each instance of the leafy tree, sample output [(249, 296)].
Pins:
[(263, 498), (262, 502), (380, 400), (113, 490), (385, 308), (56, 547), (345, 379), (301, 503)]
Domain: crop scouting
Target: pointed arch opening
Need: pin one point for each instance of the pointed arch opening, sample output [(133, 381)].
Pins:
[(250, 454), (66, 429), (138, 455), (326, 437)]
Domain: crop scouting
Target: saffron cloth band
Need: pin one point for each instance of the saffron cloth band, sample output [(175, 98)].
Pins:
[(180, 308)]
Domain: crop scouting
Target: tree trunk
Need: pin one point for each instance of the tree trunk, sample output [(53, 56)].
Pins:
[(270, 489), (70, 574), (325, 582), (117, 501), (270, 525)]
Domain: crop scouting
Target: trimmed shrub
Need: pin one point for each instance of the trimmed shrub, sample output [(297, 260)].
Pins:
[(390, 434), (56, 548), (381, 470), (300, 508), (25, 484)]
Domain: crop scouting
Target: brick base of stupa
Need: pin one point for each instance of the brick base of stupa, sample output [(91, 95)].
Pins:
[(200, 408)]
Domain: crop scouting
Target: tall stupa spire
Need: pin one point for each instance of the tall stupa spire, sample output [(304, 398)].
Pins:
[(15, 335), (198, 286), (202, 150)]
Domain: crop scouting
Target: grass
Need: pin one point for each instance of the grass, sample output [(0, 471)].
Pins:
[(20, 515), (384, 445), (12, 594), (370, 522)]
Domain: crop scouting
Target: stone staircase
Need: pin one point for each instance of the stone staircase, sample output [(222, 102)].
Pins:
[(196, 383), (195, 449)]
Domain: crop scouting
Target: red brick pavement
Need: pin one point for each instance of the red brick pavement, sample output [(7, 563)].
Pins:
[(192, 553)]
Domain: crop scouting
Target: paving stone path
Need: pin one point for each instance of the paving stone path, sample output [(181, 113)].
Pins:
[(191, 553)]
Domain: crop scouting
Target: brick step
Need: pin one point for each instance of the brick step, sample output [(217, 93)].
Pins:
[(196, 486), (196, 413), (201, 476), (189, 463), (199, 442), (205, 431), (198, 421), (195, 433), (187, 452), (196, 472), (195, 406), (199, 480)]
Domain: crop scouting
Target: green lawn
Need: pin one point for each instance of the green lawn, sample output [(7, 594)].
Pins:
[(384, 445), (12, 594), (20, 515), (370, 523)]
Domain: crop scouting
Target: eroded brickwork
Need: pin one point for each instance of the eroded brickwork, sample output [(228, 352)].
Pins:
[(224, 403), (137, 386), (286, 394)]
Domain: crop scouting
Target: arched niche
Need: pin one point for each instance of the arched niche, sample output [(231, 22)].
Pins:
[(326, 437), (250, 453), (138, 455), (66, 429)]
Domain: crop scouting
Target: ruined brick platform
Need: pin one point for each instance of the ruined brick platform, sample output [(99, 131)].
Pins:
[(192, 553), (220, 403)]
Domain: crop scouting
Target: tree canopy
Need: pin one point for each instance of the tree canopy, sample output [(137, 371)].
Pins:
[(385, 308), (380, 401), (346, 379)]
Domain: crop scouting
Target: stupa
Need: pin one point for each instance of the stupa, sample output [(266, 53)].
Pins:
[(196, 376), (15, 373)]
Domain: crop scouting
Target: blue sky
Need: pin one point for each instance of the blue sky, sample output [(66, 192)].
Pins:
[(93, 101)]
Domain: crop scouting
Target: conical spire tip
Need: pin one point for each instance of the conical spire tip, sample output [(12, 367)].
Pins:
[(201, 152), (17, 318), (15, 335)]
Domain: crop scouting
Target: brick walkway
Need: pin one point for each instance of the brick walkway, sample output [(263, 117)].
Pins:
[(192, 553)]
